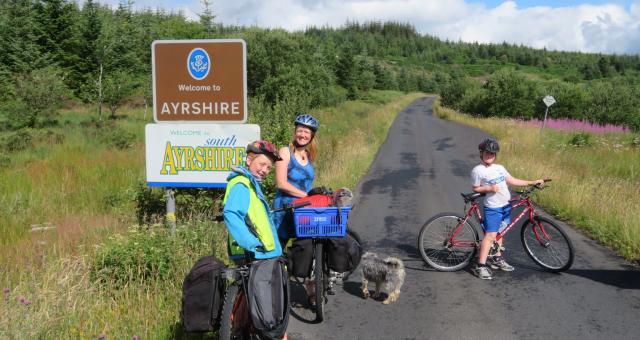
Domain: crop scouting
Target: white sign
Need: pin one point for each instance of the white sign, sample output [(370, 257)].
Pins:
[(548, 100), (195, 155)]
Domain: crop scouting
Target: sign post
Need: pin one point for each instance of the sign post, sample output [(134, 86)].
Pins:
[(197, 81), (548, 101)]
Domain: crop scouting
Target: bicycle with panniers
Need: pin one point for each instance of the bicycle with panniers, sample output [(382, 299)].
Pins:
[(326, 228), (243, 314), (448, 241)]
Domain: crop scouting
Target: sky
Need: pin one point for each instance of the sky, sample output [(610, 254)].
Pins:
[(594, 26)]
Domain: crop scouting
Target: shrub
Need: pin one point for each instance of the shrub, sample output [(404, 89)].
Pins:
[(191, 203), (139, 256), (197, 203), (635, 142), (146, 255), (580, 139), (18, 140), (120, 138), (38, 96), (5, 160), (150, 204)]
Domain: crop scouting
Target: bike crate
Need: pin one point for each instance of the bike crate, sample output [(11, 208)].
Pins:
[(321, 222)]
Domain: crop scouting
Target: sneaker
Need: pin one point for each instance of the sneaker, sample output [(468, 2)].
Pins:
[(482, 272), (499, 263)]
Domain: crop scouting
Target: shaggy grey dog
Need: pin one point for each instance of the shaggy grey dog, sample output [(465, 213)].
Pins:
[(388, 271)]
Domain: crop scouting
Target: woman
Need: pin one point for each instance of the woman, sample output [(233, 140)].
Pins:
[(295, 172)]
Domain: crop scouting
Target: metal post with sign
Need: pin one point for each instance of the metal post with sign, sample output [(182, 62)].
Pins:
[(199, 87), (548, 101)]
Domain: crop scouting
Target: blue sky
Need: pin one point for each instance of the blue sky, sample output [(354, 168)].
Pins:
[(598, 26)]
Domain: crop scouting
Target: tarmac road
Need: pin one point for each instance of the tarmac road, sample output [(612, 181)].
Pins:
[(420, 171)]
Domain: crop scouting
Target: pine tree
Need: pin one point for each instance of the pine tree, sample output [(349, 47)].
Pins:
[(19, 50), (85, 70), (207, 16), (58, 34)]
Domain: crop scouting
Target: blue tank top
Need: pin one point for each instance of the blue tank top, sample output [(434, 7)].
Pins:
[(301, 177)]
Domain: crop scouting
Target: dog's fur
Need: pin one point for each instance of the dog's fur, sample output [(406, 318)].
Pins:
[(388, 271)]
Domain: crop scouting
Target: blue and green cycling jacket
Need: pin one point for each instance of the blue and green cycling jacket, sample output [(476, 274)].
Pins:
[(246, 209)]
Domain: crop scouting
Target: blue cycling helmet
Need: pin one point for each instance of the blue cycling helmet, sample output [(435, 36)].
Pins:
[(308, 121)]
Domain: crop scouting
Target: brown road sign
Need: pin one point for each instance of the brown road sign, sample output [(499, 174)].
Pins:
[(199, 80)]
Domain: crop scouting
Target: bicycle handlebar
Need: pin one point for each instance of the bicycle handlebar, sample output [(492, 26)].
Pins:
[(292, 206), (220, 218), (534, 187)]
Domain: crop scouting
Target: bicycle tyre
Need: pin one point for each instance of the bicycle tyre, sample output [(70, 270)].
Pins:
[(226, 322), (438, 252), (557, 254), (318, 271)]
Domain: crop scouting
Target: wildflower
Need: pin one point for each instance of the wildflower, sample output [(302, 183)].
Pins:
[(23, 300), (102, 336), (135, 337), (6, 292)]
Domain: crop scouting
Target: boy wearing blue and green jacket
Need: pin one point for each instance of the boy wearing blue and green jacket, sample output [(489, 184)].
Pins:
[(246, 211)]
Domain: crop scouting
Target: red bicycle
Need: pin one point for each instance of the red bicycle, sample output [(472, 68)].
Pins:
[(448, 241)]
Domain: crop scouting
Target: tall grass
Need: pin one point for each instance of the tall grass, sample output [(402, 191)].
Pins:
[(83, 188), (596, 185), (65, 294)]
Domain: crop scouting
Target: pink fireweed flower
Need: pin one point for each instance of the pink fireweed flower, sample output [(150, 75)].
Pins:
[(135, 337), (579, 125), (23, 300), (6, 292), (102, 336)]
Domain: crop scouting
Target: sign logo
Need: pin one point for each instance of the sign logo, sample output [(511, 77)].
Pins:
[(198, 63)]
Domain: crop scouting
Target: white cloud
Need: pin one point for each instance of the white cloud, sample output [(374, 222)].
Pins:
[(589, 28)]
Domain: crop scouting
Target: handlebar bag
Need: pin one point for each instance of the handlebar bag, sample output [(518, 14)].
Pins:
[(202, 294)]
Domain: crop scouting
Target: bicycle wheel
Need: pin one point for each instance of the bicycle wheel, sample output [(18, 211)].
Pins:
[(234, 319), (446, 244), (226, 321), (547, 244), (318, 271)]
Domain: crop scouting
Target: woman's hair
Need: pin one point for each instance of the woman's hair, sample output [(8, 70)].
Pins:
[(312, 147)]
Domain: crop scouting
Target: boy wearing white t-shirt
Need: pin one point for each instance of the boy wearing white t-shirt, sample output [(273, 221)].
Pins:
[(493, 179)]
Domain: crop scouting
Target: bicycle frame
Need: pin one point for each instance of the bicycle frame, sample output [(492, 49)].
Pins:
[(474, 210)]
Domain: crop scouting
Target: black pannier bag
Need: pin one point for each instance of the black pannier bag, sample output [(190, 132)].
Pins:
[(300, 256), (343, 253), (268, 294), (202, 295)]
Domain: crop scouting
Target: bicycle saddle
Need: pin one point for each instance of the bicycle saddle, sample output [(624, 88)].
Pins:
[(472, 196)]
